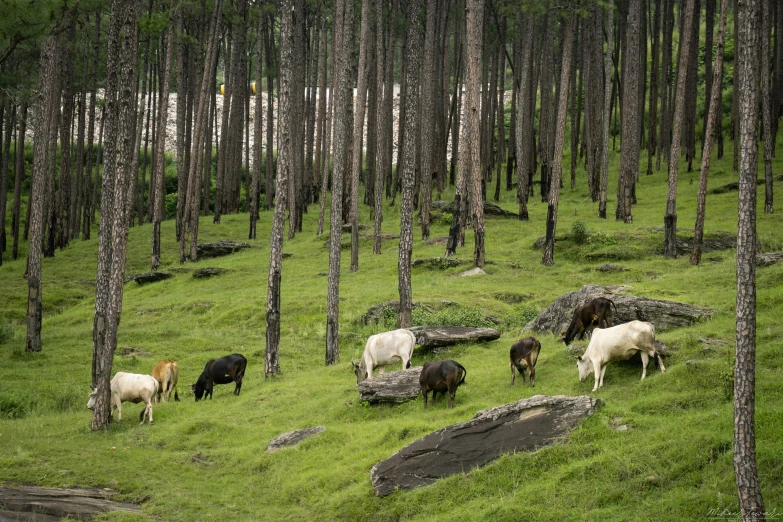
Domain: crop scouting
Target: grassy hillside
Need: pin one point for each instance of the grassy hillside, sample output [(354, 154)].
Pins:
[(208, 461)]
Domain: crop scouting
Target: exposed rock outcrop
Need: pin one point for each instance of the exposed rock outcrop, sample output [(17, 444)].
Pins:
[(292, 438), (393, 387), (432, 336)]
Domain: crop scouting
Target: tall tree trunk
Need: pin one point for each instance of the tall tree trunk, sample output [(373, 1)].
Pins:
[(269, 172), (557, 162), (182, 99), (257, 132), (5, 154), (380, 164), (689, 131), (106, 325), (66, 53), (342, 99), (666, 63), (78, 200), (670, 218), (46, 102), (18, 177), (501, 113), (525, 119), (714, 112), (158, 152), (408, 157), (631, 125), (358, 129), (320, 150), (607, 113), (652, 142), (475, 17), (190, 216), (751, 502), (427, 124), (766, 104), (709, 27)]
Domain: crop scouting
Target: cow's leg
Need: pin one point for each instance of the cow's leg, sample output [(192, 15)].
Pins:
[(645, 361), (603, 373), (238, 387), (598, 375), (533, 376), (452, 393), (524, 375), (382, 371), (513, 374), (117, 403), (660, 362), (425, 391), (149, 412)]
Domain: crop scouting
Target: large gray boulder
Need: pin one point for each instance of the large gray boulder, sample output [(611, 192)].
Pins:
[(525, 425), (662, 314), (432, 336), (394, 387)]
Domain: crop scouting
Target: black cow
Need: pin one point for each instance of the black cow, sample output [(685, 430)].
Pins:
[(599, 311), (220, 371), (441, 377), (523, 355)]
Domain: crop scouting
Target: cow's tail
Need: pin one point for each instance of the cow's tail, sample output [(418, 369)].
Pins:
[(413, 345), (408, 365), (464, 373), (613, 305)]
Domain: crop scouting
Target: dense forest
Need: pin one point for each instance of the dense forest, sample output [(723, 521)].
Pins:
[(117, 117)]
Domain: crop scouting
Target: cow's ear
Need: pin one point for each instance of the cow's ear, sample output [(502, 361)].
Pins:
[(579, 357)]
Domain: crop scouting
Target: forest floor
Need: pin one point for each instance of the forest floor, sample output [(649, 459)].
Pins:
[(208, 460)]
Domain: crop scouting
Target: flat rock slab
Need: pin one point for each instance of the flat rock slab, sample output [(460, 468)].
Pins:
[(439, 263), (525, 425), (490, 209), (663, 314), (394, 387), (432, 336), (722, 242), (204, 273), (44, 504), (472, 272), (292, 438), (219, 248), (148, 277), (608, 267)]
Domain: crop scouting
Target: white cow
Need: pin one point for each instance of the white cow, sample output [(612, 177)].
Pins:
[(130, 387), (383, 349), (617, 344)]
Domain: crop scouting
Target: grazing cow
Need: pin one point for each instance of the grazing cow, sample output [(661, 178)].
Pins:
[(383, 349), (130, 387), (524, 354), (167, 374), (599, 311), (441, 377), (230, 368), (617, 344)]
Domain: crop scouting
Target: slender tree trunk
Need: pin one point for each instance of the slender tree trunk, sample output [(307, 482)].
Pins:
[(557, 162), (358, 129), (751, 502), (78, 200), (665, 133), (714, 112), (46, 99), (652, 142), (475, 18), (709, 27), (190, 216), (19, 174), (5, 154), (182, 99), (408, 158), (525, 119), (380, 165), (269, 174), (320, 150), (607, 113), (257, 132), (341, 150), (427, 124), (158, 153), (631, 125), (670, 218), (501, 113), (107, 323), (766, 104)]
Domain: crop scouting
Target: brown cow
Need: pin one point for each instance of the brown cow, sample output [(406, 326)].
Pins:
[(441, 377), (167, 374), (524, 354), (598, 311)]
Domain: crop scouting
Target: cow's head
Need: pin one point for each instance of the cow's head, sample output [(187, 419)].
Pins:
[(92, 398), (359, 371), (585, 366), (198, 390)]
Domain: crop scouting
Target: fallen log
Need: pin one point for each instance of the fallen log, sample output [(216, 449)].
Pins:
[(394, 387), (432, 336), (148, 277), (525, 425)]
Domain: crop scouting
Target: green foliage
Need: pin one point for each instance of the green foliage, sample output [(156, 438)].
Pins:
[(15, 406), (6, 331), (519, 316), (446, 218), (171, 205), (450, 316), (601, 238), (579, 232)]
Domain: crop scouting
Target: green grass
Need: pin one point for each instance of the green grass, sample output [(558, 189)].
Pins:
[(207, 460)]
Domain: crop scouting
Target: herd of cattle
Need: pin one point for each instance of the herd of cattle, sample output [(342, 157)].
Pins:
[(607, 344)]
